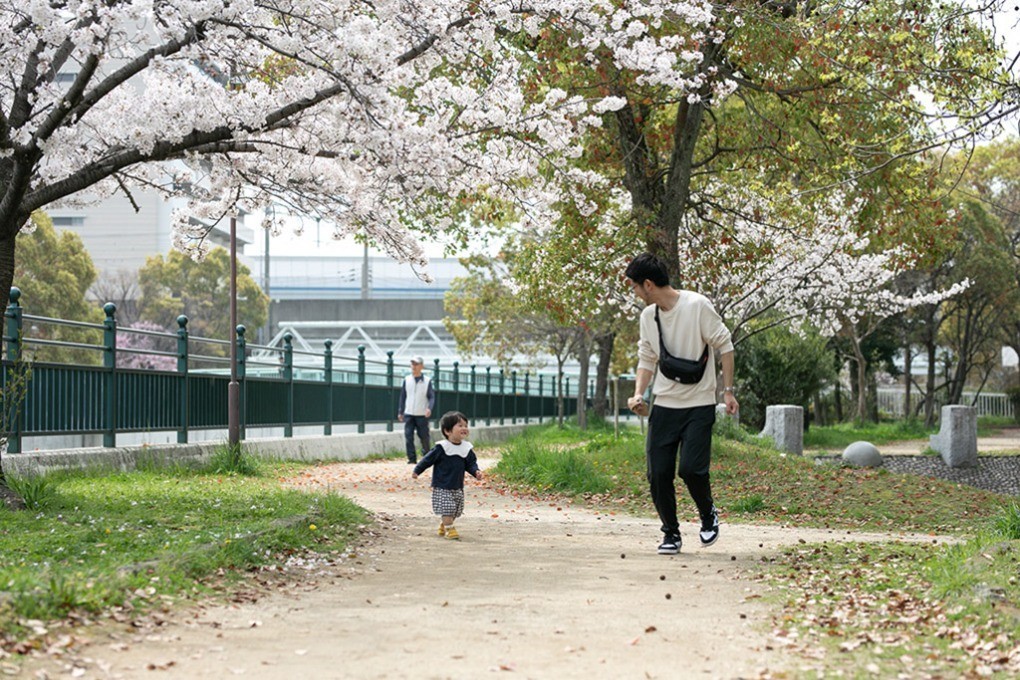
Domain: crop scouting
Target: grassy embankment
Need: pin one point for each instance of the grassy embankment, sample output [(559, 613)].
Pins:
[(880, 608), (132, 542)]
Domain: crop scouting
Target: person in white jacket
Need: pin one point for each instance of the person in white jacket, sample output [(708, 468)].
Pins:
[(417, 399), (679, 324)]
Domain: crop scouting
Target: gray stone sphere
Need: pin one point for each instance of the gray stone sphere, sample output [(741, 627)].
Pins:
[(862, 454)]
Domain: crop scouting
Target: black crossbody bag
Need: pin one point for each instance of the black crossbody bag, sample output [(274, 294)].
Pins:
[(676, 369)]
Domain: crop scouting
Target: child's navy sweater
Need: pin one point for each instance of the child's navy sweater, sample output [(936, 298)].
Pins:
[(449, 468)]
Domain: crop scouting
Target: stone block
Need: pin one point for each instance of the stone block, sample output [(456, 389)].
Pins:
[(956, 440), (862, 454), (785, 426)]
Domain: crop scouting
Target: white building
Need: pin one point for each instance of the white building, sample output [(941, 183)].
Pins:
[(119, 238)]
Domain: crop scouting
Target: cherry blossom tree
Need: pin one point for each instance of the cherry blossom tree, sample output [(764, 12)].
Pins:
[(822, 271), (393, 117), (368, 115), (134, 343)]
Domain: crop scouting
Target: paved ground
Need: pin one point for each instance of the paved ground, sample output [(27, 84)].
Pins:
[(997, 469), (1007, 440), (533, 589)]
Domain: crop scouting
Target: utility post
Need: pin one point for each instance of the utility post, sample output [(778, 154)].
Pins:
[(233, 389)]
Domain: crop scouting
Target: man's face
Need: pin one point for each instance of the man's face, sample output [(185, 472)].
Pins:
[(416, 369), (640, 289)]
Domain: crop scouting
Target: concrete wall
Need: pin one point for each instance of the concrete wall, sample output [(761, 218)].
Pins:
[(311, 448)]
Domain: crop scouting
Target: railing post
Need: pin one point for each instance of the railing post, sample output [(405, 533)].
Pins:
[(502, 396), (242, 371), (474, 394), (527, 398), (110, 364), (327, 429), (488, 395), (541, 398), (364, 389), (393, 395), (436, 385), (566, 395), (513, 390), (456, 386), (14, 323), (182, 377), (288, 378)]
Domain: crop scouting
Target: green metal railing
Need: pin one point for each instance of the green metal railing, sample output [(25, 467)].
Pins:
[(317, 389)]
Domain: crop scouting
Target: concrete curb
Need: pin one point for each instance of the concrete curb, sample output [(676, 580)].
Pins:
[(336, 447)]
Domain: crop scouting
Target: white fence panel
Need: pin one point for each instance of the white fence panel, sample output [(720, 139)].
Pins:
[(890, 401)]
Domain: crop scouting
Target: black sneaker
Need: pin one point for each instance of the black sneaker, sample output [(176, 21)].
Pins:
[(710, 528), (670, 544)]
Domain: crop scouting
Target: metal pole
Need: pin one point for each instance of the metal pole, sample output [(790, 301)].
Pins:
[(268, 330), (233, 389), (364, 273)]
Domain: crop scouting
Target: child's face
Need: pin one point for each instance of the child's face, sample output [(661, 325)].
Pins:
[(458, 433)]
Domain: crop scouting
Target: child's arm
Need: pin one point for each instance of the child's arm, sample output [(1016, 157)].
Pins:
[(426, 462), (471, 465)]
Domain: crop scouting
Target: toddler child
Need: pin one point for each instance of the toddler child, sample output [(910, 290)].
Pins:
[(452, 458)]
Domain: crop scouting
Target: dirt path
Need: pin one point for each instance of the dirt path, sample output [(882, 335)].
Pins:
[(532, 589)]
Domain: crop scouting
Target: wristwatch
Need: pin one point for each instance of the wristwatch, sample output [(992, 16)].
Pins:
[(728, 389)]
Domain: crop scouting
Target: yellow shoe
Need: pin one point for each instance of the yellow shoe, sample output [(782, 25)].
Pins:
[(451, 532), (442, 529)]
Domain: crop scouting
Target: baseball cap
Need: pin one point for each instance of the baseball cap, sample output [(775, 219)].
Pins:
[(417, 360)]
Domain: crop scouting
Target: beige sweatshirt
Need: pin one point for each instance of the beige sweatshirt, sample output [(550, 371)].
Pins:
[(687, 328)]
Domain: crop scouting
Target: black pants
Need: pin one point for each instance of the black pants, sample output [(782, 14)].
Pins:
[(421, 424), (690, 431)]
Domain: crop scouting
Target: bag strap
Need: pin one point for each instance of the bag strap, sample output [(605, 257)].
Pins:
[(662, 344)]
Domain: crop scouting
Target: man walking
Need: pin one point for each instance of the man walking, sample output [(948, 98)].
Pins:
[(680, 331), (417, 399)]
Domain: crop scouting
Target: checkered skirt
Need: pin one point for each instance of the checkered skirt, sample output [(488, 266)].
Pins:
[(448, 502)]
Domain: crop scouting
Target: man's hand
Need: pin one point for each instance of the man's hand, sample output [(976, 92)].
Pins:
[(637, 405), (731, 404), (428, 413), (400, 417)]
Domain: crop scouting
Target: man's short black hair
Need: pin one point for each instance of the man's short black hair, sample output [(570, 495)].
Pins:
[(648, 267), (450, 420)]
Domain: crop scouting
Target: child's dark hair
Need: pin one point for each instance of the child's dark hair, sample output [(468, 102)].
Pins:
[(648, 267), (450, 420)]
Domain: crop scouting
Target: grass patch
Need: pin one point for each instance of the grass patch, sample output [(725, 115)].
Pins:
[(171, 528), (749, 479), (748, 504), (528, 462), (233, 460), (843, 434), (37, 492), (987, 425), (914, 610)]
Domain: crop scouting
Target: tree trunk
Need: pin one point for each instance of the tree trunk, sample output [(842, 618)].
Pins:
[(561, 400), (821, 417), (660, 199), (584, 360), (838, 401), (604, 343), (862, 385), (7, 247), (929, 395), (907, 359)]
